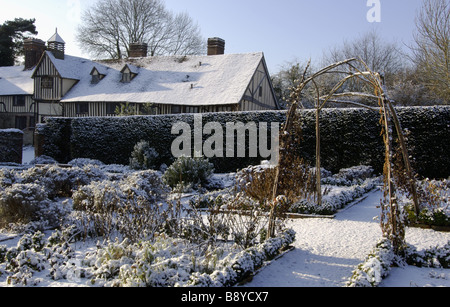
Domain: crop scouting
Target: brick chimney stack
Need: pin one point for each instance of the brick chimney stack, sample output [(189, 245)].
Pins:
[(138, 50), (33, 49), (216, 46)]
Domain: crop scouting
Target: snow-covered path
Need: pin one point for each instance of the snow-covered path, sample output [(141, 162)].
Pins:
[(328, 250)]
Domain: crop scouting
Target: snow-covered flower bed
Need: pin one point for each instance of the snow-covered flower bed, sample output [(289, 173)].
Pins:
[(149, 238), (339, 190), (164, 262), (435, 204), (379, 262)]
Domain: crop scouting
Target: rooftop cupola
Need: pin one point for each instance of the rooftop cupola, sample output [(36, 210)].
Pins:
[(56, 45)]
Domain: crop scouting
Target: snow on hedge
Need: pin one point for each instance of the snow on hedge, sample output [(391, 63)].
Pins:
[(349, 137), (379, 262)]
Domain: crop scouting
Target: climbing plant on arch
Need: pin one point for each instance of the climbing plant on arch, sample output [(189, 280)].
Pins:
[(356, 70)]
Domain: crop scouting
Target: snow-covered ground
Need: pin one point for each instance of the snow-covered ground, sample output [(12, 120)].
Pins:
[(328, 250), (27, 154)]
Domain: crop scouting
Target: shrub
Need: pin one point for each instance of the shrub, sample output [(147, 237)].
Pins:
[(257, 182), (7, 178), (350, 176), (145, 184), (143, 157), (186, 171), (59, 181), (376, 266), (127, 207), (433, 257), (43, 160), (295, 181), (434, 199), (82, 162), (20, 203)]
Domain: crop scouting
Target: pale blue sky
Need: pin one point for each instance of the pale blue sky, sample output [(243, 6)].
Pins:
[(283, 29)]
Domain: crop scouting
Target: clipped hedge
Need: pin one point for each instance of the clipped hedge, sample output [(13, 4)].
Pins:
[(11, 143), (349, 137)]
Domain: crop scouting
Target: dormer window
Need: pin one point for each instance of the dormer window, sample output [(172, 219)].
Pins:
[(95, 79), (96, 76), (129, 72), (126, 77)]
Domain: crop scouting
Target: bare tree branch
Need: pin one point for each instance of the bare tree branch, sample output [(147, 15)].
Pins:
[(110, 26)]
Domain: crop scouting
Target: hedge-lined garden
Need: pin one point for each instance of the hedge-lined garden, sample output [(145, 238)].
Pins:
[(349, 137)]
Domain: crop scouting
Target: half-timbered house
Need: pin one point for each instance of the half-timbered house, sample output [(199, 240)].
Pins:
[(71, 86), (55, 84), (17, 107)]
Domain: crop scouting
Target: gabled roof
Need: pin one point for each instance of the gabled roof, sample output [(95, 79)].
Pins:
[(15, 81), (72, 67), (188, 80), (133, 69), (101, 71)]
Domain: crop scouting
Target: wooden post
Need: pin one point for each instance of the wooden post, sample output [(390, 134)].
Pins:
[(409, 172), (318, 162), (273, 215)]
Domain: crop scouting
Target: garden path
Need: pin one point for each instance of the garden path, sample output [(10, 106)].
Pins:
[(326, 250)]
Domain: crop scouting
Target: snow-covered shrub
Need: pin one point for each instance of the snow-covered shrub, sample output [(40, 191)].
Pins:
[(256, 181), (245, 219), (350, 176), (59, 181), (168, 262), (143, 157), (333, 201), (145, 184), (21, 203), (238, 267), (148, 184), (34, 254), (33, 242), (434, 197), (376, 266), (161, 263), (43, 160), (127, 207), (25, 259), (434, 257), (82, 162), (7, 177), (187, 171)]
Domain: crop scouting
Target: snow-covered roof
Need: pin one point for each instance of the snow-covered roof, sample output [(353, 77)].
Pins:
[(74, 67), (15, 81), (189, 80), (56, 38)]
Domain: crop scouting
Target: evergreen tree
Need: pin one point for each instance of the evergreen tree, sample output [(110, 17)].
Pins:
[(12, 35)]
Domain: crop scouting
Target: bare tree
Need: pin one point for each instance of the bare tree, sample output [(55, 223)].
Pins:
[(381, 56), (431, 51), (186, 38), (110, 26)]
